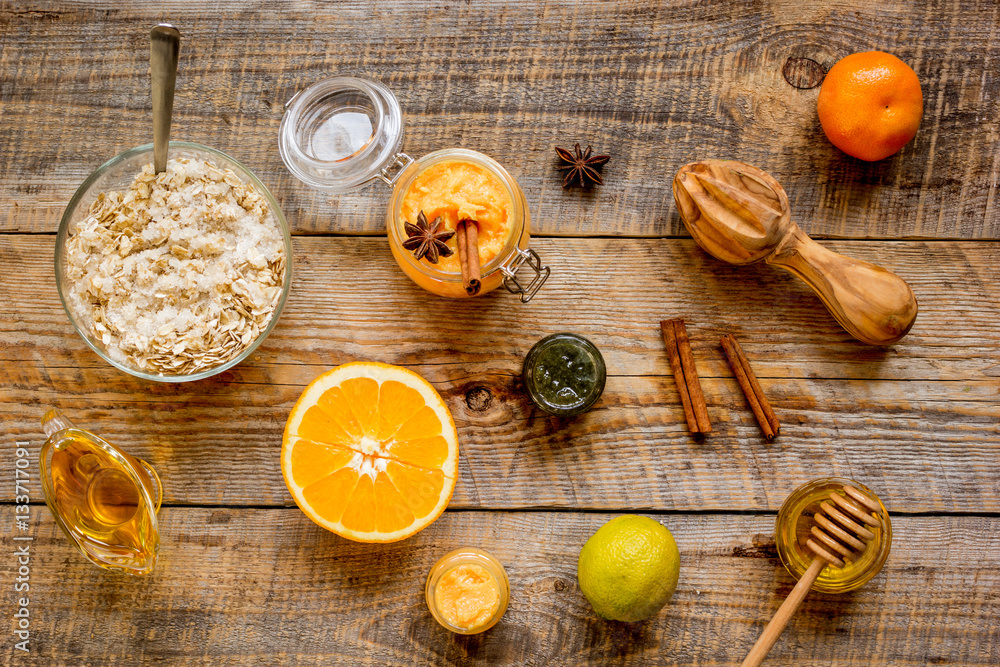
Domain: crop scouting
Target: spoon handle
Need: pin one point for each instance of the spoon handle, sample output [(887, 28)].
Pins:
[(164, 46), (874, 305)]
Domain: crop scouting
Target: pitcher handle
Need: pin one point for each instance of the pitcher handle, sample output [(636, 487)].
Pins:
[(155, 480)]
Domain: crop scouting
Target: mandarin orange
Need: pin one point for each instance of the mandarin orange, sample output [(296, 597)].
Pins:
[(870, 105)]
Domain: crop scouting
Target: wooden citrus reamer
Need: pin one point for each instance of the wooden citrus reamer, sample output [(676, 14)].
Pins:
[(740, 214), (839, 530)]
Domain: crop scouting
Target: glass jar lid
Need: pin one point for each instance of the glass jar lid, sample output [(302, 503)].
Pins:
[(342, 133)]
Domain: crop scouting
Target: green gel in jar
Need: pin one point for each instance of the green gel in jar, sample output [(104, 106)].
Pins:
[(564, 374)]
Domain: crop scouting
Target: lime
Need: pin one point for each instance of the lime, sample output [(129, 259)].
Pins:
[(628, 569)]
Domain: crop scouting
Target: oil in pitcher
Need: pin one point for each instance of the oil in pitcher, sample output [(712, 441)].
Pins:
[(104, 500)]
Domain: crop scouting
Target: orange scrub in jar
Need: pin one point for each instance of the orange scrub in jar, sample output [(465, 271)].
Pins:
[(467, 591), (467, 597), (456, 191)]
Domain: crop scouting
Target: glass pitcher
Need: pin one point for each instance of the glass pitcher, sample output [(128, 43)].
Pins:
[(104, 500)]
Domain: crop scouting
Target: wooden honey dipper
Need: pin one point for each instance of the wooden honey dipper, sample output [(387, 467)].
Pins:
[(840, 530)]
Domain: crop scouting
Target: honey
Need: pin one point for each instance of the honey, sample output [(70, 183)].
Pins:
[(795, 521), (104, 500)]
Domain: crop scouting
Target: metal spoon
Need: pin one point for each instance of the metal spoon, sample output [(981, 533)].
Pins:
[(164, 45)]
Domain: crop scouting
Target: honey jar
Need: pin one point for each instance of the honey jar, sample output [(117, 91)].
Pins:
[(795, 522)]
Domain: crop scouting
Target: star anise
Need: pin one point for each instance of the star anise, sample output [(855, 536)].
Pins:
[(582, 167), (426, 241)]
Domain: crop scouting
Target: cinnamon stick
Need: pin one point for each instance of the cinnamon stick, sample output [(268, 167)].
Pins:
[(691, 376), (670, 339), (467, 239), (686, 375), (750, 386)]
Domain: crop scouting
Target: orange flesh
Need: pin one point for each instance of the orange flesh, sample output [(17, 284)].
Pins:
[(369, 457), (467, 596), (458, 191)]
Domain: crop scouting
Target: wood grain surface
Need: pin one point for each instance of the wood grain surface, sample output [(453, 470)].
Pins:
[(231, 590), (656, 84), (922, 426), (350, 301), (246, 578)]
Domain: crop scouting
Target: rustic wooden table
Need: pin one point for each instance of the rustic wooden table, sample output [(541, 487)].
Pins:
[(245, 578)]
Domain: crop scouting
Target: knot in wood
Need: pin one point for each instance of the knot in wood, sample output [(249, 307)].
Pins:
[(803, 73), (559, 585), (762, 551), (479, 399)]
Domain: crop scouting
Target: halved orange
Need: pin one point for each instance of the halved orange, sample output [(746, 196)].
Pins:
[(370, 452)]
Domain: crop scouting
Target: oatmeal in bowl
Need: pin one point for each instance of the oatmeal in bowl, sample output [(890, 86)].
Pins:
[(173, 276)]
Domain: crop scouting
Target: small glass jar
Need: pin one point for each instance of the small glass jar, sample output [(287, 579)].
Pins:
[(343, 133), (467, 556), (502, 269), (795, 520), (564, 374)]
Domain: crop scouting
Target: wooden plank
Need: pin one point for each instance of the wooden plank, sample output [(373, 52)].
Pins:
[(350, 301), (656, 84), (922, 447), (269, 587), (922, 431)]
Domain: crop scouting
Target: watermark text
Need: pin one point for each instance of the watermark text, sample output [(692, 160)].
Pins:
[(22, 547)]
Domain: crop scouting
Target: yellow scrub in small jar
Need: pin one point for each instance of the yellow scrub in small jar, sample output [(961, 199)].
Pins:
[(467, 596), (467, 591), (461, 191)]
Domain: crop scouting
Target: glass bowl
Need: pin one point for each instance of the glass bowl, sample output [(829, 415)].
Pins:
[(116, 174)]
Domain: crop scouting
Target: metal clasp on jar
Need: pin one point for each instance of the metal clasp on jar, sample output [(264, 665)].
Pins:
[(510, 269), (401, 160)]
